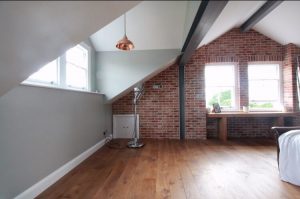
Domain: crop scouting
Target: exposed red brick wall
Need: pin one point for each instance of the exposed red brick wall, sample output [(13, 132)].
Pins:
[(158, 108), (291, 52), (243, 127), (195, 112), (242, 48), (159, 112), (234, 47), (247, 127)]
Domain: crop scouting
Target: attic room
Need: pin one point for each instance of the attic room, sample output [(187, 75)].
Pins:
[(149, 99)]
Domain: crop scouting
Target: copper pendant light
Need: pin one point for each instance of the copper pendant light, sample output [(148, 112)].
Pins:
[(125, 43)]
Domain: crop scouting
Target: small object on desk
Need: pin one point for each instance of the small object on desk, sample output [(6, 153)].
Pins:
[(208, 109), (216, 108), (284, 109), (245, 108)]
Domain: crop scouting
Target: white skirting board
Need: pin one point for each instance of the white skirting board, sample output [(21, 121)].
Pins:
[(42, 185)]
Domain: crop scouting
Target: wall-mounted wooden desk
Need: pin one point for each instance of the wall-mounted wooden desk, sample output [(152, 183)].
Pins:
[(222, 119)]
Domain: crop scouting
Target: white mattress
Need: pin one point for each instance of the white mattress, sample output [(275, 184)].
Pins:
[(289, 157)]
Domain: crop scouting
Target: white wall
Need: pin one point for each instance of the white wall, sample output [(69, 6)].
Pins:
[(35, 33), (119, 71), (41, 129)]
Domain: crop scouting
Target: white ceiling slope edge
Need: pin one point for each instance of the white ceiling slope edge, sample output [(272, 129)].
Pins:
[(142, 80), (150, 25), (233, 15), (282, 24), (118, 72), (34, 33), (158, 30)]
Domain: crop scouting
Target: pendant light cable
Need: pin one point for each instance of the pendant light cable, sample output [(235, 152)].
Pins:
[(125, 23)]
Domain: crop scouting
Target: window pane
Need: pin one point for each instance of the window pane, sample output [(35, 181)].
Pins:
[(263, 90), (76, 77), (220, 85), (219, 75), (78, 56), (47, 74), (77, 67), (264, 71)]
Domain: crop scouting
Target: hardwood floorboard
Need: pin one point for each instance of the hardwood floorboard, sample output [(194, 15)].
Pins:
[(242, 168)]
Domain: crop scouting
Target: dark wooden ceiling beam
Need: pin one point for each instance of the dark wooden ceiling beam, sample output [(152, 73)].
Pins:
[(206, 15), (263, 11)]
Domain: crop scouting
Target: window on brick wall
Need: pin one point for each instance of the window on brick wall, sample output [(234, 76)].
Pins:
[(264, 87), (221, 86)]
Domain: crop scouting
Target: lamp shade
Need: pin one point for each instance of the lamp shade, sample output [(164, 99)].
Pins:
[(125, 44)]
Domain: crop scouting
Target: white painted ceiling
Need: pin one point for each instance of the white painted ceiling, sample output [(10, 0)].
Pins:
[(35, 32), (233, 15), (163, 25), (150, 25), (282, 24)]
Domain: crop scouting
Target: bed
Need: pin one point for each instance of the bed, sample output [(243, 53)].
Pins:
[(288, 153)]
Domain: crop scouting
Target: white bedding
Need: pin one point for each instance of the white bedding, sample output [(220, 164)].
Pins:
[(289, 157)]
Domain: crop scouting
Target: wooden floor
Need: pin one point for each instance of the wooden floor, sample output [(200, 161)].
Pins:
[(175, 169)]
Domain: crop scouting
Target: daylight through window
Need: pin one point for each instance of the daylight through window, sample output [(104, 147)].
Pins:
[(220, 86), (264, 86), (77, 67), (47, 74), (68, 71)]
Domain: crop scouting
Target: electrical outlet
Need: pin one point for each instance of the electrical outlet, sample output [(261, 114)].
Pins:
[(157, 86)]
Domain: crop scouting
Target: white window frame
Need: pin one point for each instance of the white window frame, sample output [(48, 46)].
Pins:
[(280, 85), (89, 73), (61, 76), (88, 83), (236, 84)]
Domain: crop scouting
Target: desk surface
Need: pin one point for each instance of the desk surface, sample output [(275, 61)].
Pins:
[(251, 114)]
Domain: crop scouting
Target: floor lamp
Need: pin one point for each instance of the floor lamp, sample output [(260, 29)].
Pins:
[(135, 142)]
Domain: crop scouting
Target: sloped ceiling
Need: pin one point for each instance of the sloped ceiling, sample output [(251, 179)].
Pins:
[(234, 15), (282, 24), (156, 28), (164, 24), (34, 33), (150, 25)]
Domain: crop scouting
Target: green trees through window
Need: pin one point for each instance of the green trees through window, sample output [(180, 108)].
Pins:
[(223, 98)]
